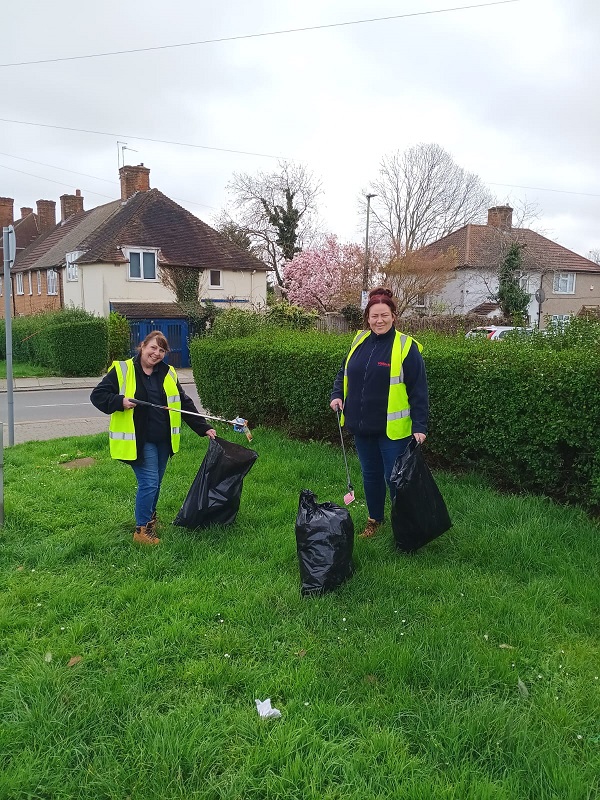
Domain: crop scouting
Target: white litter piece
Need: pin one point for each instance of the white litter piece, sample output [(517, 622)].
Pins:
[(265, 710)]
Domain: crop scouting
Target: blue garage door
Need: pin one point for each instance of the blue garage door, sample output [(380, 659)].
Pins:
[(176, 331)]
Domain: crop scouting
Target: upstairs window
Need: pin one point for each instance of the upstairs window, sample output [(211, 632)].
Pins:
[(51, 281), (39, 281), (19, 282), (29, 281), (142, 265), (215, 279), (564, 283), (72, 269)]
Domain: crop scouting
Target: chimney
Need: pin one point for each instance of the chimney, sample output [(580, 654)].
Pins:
[(70, 204), (46, 213), (6, 211), (500, 217), (134, 179), (26, 211)]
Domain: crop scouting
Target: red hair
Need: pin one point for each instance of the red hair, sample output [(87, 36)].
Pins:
[(379, 295)]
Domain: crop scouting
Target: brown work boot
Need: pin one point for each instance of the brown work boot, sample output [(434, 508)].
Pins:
[(151, 525), (143, 535), (370, 529)]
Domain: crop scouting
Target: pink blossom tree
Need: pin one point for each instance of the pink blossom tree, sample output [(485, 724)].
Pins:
[(327, 277)]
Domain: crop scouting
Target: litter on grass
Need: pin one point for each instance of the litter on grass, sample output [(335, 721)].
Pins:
[(265, 710)]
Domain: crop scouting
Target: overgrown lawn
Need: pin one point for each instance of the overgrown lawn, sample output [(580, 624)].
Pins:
[(469, 670)]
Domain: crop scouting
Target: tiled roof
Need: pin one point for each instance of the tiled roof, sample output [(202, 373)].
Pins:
[(148, 310), (49, 250), (151, 219), (147, 219), (485, 246), (485, 308)]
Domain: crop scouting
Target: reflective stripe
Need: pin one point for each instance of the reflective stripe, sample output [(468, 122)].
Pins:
[(175, 431), (121, 435), (398, 414), (173, 398), (123, 376)]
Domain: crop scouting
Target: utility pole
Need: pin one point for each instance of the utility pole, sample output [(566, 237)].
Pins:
[(365, 285), (9, 248)]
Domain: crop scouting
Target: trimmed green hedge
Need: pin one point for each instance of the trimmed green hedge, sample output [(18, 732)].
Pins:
[(526, 416)]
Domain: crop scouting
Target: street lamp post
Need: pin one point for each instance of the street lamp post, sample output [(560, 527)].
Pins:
[(366, 264)]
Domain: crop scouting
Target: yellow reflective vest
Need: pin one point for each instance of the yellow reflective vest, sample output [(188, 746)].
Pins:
[(121, 431), (399, 423)]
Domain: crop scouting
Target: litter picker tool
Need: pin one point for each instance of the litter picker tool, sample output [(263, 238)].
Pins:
[(240, 425), (349, 496)]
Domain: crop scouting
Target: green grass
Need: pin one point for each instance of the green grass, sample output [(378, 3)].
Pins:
[(25, 370), (402, 684)]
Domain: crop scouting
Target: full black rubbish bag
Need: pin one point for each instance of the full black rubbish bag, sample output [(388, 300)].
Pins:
[(324, 540), (214, 496), (419, 513)]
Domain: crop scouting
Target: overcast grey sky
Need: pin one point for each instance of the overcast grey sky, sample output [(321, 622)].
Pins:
[(509, 90)]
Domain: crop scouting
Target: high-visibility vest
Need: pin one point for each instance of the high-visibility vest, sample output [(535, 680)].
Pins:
[(121, 430), (399, 423)]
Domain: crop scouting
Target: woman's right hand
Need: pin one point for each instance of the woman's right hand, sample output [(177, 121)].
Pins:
[(127, 403), (336, 404)]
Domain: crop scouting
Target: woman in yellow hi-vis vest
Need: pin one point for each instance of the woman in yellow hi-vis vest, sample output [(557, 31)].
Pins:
[(143, 436), (381, 389)]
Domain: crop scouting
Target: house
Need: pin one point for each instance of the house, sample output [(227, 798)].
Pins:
[(117, 255), (559, 281)]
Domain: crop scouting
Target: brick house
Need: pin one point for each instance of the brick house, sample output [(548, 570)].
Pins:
[(569, 281), (114, 254)]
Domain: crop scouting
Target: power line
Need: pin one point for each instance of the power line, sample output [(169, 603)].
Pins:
[(143, 138), (60, 183), (62, 169), (542, 189), (258, 35)]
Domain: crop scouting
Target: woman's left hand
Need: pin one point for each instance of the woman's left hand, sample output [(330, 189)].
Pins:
[(420, 437), (211, 433)]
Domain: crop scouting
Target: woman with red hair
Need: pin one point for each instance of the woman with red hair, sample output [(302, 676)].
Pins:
[(381, 390)]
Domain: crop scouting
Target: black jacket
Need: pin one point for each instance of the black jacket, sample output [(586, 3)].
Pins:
[(365, 409), (107, 399)]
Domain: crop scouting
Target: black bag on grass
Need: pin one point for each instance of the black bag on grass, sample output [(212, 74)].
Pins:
[(214, 496), (324, 540), (419, 513)]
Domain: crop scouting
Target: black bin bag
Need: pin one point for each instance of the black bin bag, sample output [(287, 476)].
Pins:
[(419, 513), (324, 540), (214, 496)]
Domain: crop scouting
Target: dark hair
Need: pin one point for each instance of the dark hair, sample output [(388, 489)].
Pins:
[(161, 340), (379, 295)]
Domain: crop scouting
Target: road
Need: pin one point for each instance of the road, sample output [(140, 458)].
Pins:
[(52, 413)]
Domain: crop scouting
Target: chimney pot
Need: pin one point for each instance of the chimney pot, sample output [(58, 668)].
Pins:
[(134, 179), (46, 214), (500, 217)]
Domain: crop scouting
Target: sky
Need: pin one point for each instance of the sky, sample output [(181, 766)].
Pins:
[(510, 90)]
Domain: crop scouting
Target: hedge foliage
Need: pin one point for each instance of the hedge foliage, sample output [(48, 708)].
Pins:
[(69, 342), (524, 414), (235, 322), (119, 336)]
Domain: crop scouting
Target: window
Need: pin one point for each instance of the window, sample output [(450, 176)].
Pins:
[(19, 281), (72, 270), (29, 281), (142, 265), (51, 281), (0, 286), (215, 279), (564, 283), (420, 301), (39, 281), (524, 283), (560, 320)]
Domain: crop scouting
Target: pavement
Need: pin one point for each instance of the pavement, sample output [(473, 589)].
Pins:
[(58, 428)]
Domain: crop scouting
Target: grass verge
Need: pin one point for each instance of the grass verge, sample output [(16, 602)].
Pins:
[(469, 670)]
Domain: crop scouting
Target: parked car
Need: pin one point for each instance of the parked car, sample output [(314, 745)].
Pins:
[(495, 332)]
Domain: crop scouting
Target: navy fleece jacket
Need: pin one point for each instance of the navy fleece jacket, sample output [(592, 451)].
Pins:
[(365, 409)]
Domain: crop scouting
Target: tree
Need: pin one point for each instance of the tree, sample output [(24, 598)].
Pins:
[(325, 278), (594, 255), (414, 275), (513, 300), (277, 211), (235, 233), (422, 195)]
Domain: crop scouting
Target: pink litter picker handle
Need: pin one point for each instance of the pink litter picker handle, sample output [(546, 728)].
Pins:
[(349, 496)]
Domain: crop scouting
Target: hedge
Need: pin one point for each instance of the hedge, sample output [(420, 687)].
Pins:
[(526, 416)]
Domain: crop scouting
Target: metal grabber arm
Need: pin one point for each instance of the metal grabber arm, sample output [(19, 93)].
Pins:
[(240, 425)]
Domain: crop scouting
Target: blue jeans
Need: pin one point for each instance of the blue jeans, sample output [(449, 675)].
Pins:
[(149, 470), (377, 455)]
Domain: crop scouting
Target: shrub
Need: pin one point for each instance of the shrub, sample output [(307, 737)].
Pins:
[(80, 348), (119, 338), (526, 417)]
